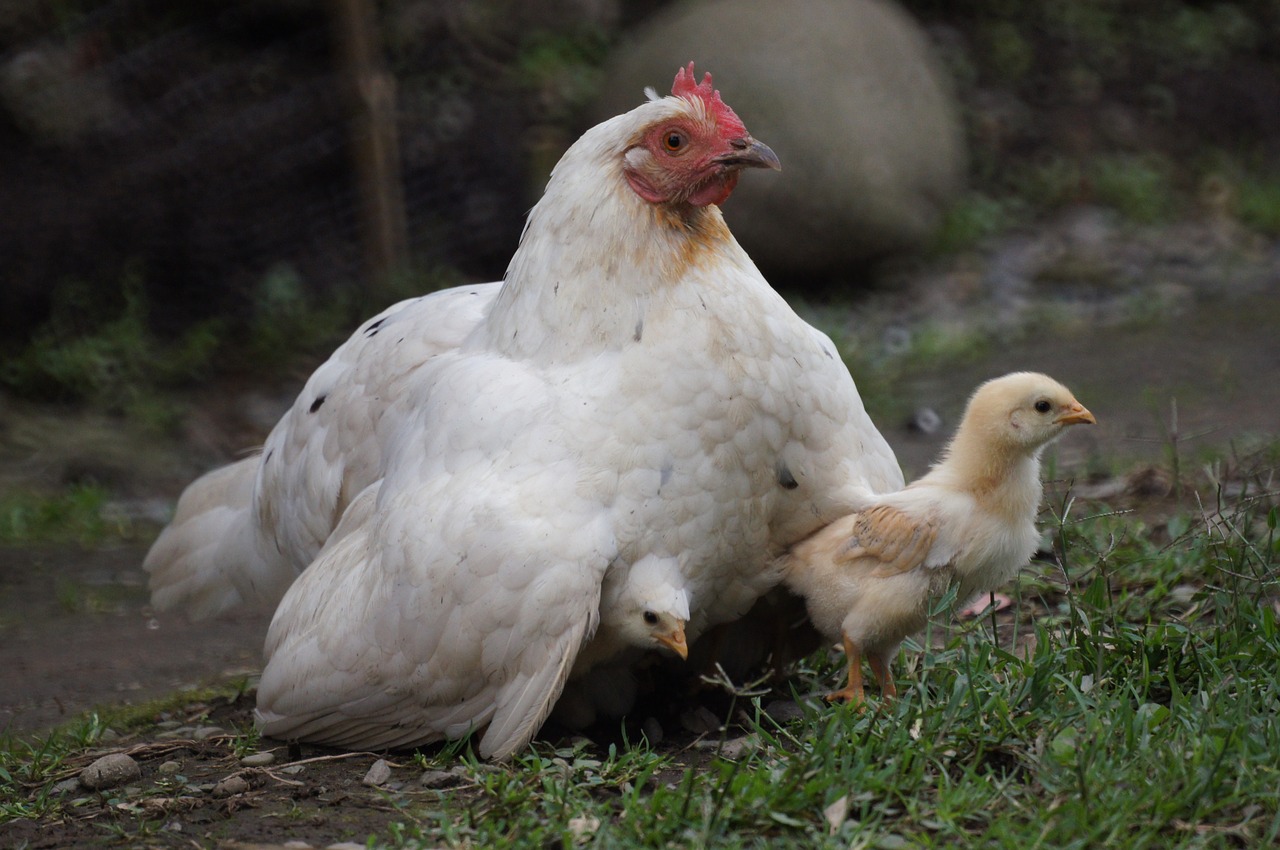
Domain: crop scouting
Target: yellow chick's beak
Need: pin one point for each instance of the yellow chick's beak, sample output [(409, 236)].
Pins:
[(675, 642), (1077, 414)]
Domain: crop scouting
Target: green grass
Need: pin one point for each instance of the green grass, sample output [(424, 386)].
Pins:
[(73, 514), (1127, 716), (1133, 702)]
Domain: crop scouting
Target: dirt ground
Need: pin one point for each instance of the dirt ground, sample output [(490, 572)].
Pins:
[(76, 629)]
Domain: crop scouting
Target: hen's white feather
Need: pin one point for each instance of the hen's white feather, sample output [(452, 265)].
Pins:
[(634, 390)]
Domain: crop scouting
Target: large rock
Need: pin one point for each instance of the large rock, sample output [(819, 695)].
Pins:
[(849, 95)]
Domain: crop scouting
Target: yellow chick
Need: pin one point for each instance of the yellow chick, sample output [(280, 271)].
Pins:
[(868, 577)]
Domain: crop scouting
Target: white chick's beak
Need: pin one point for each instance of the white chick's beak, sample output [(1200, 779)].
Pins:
[(1076, 414), (675, 641)]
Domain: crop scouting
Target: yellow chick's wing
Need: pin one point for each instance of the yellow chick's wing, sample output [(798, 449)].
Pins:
[(893, 540)]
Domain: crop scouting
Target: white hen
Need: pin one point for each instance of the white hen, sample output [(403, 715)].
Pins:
[(867, 578), (634, 391)]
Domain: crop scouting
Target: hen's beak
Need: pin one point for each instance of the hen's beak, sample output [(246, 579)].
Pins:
[(1077, 414), (748, 153), (675, 642)]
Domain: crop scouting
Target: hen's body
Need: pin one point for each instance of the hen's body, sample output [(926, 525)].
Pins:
[(634, 390)]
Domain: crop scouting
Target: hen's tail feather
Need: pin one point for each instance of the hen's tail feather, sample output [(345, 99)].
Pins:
[(207, 561)]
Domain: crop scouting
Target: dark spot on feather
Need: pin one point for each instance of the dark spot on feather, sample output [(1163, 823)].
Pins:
[(827, 352), (315, 405), (555, 290), (786, 479), (372, 330), (665, 476), (639, 329), (267, 459)]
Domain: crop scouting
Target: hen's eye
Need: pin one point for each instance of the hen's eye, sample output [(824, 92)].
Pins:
[(1043, 406), (651, 618), (673, 141)]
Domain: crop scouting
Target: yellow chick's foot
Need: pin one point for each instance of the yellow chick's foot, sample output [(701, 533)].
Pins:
[(848, 696), (852, 692)]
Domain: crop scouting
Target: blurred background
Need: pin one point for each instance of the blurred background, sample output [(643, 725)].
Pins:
[(201, 199)]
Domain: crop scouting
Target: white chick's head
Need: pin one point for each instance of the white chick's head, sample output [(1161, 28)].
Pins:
[(650, 606), (1022, 412)]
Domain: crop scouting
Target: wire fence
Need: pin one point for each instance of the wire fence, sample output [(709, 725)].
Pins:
[(199, 146)]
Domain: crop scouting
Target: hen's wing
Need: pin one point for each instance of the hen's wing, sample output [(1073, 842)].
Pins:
[(241, 533), (456, 593), (331, 443)]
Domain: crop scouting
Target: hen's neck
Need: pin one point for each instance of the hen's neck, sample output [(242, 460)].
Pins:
[(591, 257)]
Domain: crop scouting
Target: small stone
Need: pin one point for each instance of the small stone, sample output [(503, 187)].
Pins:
[(66, 786), (168, 724), (433, 779), (169, 768), (346, 845), (584, 826), (700, 721), (292, 769), (652, 731), (108, 735), (925, 421), (204, 733), (736, 748), (784, 710), (378, 773), (110, 771), (231, 786), (258, 759)]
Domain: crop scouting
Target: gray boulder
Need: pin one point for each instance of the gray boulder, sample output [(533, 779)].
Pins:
[(849, 95)]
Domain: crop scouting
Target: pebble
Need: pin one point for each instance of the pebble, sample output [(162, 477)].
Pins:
[(700, 721), (66, 786), (652, 731), (206, 732), (925, 420), (169, 768), (736, 748), (378, 773), (110, 771), (231, 786), (433, 779), (258, 759), (784, 710)]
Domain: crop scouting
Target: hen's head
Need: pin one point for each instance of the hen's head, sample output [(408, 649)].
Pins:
[(1023, 412), (694, 153)]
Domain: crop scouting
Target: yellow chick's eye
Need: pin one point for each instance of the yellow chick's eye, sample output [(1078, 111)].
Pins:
[(1043, 406), (673, 141)]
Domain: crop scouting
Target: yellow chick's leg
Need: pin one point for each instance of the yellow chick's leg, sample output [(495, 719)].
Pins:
[(880, 669), (852, 692)]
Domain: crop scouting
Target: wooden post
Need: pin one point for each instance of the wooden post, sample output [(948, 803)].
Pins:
[(370, 94)]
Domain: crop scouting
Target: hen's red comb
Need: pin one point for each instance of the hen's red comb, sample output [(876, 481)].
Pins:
[(684, 86)]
